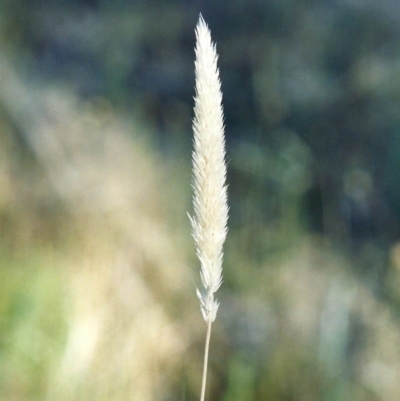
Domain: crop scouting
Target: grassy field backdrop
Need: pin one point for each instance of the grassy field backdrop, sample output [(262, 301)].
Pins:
[(98, 272), (97, 264)]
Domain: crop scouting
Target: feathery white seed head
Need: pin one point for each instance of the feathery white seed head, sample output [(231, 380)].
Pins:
[(209, 223)]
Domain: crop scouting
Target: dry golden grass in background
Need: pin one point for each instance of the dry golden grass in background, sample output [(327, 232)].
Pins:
[(124, 270), (114, 245)]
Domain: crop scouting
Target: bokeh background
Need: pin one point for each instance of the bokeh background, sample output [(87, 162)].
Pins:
[(97, 265)]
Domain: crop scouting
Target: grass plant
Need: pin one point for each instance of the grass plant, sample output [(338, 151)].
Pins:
[(209, 223)]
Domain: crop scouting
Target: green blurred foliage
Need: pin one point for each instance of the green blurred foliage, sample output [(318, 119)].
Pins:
[(33, 325)]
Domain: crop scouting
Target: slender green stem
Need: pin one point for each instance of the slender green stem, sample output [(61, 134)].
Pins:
[(203, 384)]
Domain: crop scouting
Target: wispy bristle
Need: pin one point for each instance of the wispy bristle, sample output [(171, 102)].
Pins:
[(209, 223)]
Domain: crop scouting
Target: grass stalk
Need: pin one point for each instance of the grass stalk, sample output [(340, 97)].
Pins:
[(205, 364)]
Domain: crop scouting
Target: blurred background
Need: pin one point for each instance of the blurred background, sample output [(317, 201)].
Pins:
[(97, 265)]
